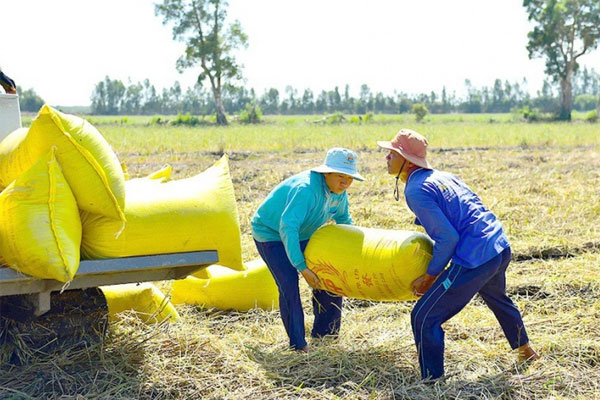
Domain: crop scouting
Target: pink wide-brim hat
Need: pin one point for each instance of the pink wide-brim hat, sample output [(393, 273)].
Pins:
[(410, 145)]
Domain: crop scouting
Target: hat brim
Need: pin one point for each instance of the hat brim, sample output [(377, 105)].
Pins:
[(418, 161), (324, 169)]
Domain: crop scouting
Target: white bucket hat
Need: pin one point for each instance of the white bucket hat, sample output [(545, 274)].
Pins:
[(342, 161)]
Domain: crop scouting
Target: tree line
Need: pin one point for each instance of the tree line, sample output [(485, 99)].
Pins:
[(113, 97), (563, 31)]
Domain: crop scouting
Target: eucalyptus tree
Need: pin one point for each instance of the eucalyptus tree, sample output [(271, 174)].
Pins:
[(210, 42), (564, 31), (108, 96)]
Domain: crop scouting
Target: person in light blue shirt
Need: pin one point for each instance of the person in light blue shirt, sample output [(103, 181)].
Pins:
[(281, 227), (464, 232)]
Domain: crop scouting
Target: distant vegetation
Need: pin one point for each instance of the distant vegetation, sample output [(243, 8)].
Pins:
[(113, 97), (29, 100), (562, 32), (210, 43)]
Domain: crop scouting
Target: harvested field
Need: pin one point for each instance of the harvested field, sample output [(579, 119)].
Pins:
[(542, 181)]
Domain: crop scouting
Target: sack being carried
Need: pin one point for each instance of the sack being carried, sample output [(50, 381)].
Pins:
[(369, 264)]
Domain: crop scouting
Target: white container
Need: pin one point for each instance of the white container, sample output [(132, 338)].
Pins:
[(10, 115)]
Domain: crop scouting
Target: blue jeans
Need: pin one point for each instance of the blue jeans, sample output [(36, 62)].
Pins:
[(449, 294), (327, 307)]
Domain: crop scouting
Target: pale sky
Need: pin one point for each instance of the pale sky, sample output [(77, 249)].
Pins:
[(62, 48)]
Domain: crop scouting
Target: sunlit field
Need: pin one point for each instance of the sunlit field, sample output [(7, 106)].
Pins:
[(543, 182)]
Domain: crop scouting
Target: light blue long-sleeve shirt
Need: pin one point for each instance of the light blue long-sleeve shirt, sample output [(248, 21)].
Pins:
[(463, 229), (295, 209)]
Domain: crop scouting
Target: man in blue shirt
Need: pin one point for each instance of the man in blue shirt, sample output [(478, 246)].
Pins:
[(281, 227), (467, 233)]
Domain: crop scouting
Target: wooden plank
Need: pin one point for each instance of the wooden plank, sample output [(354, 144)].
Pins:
[(92, 273)]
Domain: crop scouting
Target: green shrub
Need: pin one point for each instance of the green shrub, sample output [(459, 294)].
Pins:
[(592, 116), (252, 114), (420, 111), (530, 114), (368, 117), (186, 119), (336, 118), (156, 120)]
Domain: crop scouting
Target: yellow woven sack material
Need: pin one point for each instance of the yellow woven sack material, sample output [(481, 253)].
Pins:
[(89, 164), (145, 299), (7, 146), (370, 264), (163, 174), (204, 273), (192, 214), (157, 177), (230, 290), (40, 229)]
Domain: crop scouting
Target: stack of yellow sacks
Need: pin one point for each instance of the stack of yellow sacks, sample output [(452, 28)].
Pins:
[(64, 192)]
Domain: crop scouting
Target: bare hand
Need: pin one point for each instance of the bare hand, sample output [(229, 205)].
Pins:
[(312, 279), (422, 284)]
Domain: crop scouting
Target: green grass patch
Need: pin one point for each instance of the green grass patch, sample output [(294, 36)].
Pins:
[(303, 136)]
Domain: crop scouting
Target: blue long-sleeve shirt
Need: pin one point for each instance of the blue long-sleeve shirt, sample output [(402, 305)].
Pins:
[(463, 229), (295, 209)]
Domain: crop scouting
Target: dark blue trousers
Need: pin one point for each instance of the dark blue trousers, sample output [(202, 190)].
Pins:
[(450, 293), (327, 307)]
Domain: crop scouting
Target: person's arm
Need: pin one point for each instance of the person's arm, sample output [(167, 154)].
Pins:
[(294, 214), (437, 226), (8, 84), (342, 216), (299, 203)]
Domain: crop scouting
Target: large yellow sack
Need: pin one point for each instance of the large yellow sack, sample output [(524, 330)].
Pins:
[(193, 214), (89, 164), (371, 264), (148, 302), (230, 290), (40, 229), (161, 175)]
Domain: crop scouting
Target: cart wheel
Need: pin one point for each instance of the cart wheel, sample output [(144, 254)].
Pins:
[(76, 320)]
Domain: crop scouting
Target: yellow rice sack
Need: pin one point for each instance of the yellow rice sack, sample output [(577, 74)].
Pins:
[(163, 174), (371, 264), (148, 302), (157, 177), (89, 164), (40, 229), (230, 290), (193, 214), (204, 273)]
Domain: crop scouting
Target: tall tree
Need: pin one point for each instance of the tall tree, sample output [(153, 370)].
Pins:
[(29, 100), (200, 24), (132, 99), (564, 31), (107, 97)]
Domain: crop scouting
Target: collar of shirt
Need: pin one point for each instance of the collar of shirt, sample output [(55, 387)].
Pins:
[(411, 175), (326, 190)]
